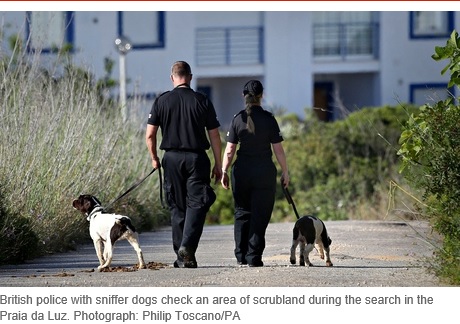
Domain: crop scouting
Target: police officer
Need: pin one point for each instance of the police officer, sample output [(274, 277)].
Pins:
[(184, 116), (253, 175)]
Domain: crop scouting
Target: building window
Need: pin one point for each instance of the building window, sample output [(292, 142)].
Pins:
[(345, 34), (229, 46), (145, 30), (50, 31), (421, 94), (431, 24)]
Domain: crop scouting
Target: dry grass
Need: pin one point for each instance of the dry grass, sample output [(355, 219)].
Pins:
[(61, 139)]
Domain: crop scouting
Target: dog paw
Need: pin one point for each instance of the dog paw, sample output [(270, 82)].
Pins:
[(329, 264), (301, 263), (292, 261), (142, 266)]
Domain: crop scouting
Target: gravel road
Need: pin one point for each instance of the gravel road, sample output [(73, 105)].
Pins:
[(364, 254)]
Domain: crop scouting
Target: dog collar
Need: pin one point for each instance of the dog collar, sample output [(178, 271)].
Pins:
[(94, 212)]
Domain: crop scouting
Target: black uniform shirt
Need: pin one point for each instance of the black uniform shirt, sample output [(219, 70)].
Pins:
[(267, 132), (183, 116)]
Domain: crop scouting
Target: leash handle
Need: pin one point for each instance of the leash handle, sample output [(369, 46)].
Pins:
[(288, 196)]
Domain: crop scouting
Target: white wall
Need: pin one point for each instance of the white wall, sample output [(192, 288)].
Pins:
[(405, 61), (288, 60)]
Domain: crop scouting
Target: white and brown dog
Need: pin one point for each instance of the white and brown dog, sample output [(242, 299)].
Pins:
[(106, 229), (310, 231)]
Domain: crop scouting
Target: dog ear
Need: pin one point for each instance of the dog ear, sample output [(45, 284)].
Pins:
[(86, 205), (75, 203)]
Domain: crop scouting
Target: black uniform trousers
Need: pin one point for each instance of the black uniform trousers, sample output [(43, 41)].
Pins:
[(254, 188), (188, 195)]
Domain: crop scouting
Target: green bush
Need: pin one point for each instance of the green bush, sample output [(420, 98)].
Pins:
[(337, 167), (430, 157)]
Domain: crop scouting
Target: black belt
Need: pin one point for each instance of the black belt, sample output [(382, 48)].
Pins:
[(186, 150)]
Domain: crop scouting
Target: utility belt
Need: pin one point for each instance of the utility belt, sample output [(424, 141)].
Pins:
[(186, 150)]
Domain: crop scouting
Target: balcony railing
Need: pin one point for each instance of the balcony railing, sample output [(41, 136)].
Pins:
[(346, 40), (229, 46)]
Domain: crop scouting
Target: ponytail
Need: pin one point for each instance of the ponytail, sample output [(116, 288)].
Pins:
[(252, 92), (250, 100)]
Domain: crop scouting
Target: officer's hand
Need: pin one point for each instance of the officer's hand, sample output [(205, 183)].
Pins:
[(224, 181), (156, 163), (285, 180), (216, 174)]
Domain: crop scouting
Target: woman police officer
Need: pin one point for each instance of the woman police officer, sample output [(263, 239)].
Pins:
[(253, 174)]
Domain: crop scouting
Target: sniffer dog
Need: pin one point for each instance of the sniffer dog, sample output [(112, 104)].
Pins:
[(106, 229), (310, 231)]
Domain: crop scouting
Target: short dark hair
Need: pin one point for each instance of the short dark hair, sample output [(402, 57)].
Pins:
[(181, 68)]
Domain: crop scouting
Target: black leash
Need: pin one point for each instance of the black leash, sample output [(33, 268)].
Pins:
[(289, 198), (134, 186)]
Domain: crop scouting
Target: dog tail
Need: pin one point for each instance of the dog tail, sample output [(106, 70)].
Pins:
[(324, 236)]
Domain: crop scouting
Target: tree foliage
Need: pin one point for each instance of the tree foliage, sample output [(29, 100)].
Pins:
[(430, 153)]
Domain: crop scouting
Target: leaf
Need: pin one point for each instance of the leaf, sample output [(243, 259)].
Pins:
[(454, 38), (405, 135), (445, 69)]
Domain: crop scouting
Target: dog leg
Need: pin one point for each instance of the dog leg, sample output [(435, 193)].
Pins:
[(306, 253), (108, 253), (319, 247), (133, 239), (292, 259), (105, 252), (98, 247), (328, 257), (302, 253)]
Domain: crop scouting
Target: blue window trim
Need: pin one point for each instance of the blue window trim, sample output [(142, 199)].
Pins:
[(161, 32), (69, 33), (450, 27), (415, 86)]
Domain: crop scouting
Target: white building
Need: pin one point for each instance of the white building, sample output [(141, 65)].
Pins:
[(336, 61)]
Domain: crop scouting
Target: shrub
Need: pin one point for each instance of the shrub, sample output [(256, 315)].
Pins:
[(337, 167), (431, 162)]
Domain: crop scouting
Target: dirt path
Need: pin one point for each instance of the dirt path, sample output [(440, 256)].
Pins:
[(364, 253)]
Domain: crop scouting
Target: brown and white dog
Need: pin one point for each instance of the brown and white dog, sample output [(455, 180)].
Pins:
[(310, 231), (106, 229)]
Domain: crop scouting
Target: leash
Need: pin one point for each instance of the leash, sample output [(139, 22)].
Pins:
[(289, 198), (134, 186)]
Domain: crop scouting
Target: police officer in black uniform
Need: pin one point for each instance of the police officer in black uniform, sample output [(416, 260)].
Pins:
[(253, 174), (184, 116)]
